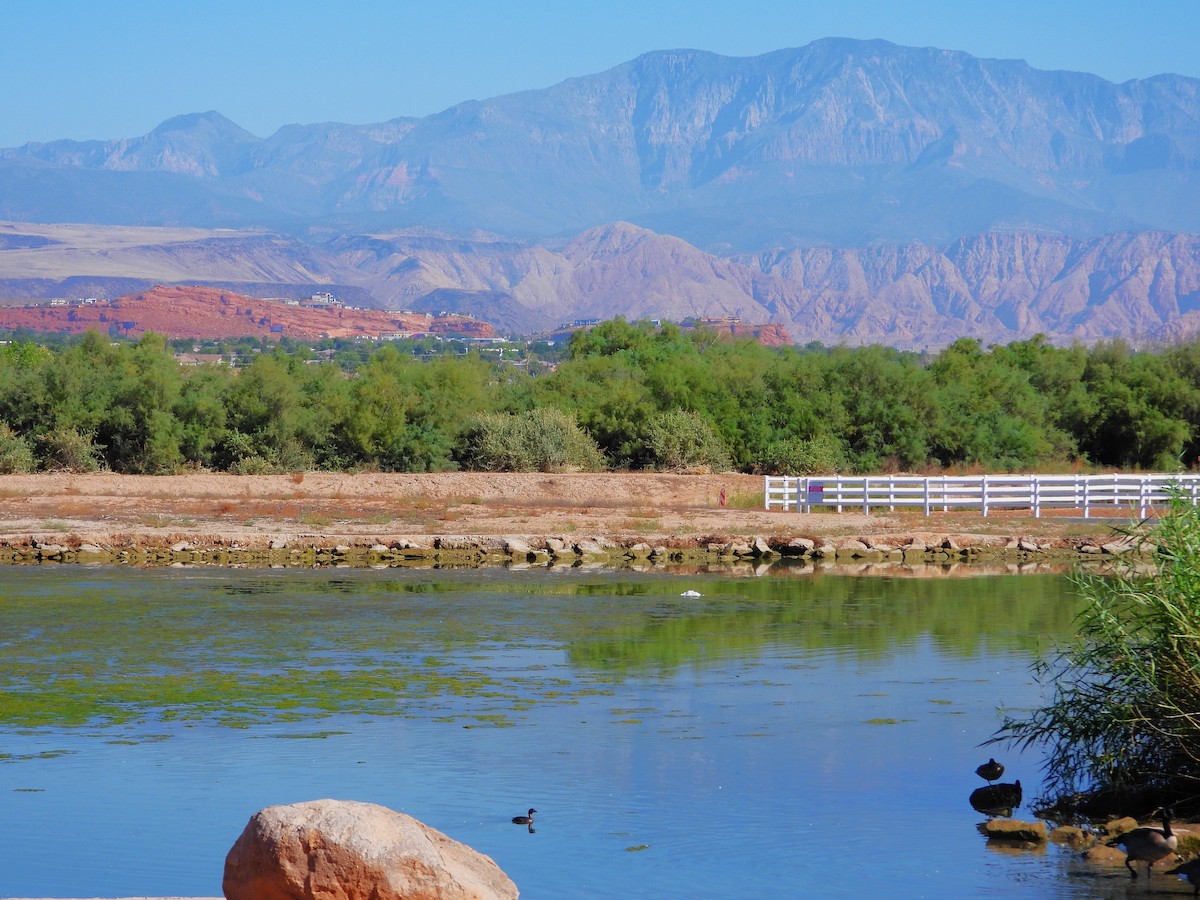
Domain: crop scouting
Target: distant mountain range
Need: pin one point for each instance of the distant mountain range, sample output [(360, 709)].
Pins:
[(849, 190)]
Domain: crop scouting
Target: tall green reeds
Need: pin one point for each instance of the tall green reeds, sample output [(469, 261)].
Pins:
[(1122, 725)]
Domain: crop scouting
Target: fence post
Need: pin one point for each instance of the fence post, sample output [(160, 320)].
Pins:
[(983, 500)]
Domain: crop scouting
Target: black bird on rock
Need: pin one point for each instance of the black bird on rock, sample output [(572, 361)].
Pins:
[(990, 771), (1147, 844)]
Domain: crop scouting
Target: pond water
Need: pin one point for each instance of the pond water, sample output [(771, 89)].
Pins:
[(776, 736)]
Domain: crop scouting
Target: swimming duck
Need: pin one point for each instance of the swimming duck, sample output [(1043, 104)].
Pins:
[(1147, 844), (1191, 871), (990, 771), (524, 820)]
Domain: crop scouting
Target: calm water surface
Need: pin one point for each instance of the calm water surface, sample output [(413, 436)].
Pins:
[(780, 736)]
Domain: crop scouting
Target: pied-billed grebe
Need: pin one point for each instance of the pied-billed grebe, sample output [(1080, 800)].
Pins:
[(1147, 844), (524, 820), (990, 771)]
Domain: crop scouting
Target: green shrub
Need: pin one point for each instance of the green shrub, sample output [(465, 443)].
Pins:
[(252, 465), (292, 456), (1122, 725), (822, 454), (16, 457), (540, 440), (246, 457), (65, 449), (682, 439)]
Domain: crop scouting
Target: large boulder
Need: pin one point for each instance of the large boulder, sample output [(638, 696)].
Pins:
[(347, 850)]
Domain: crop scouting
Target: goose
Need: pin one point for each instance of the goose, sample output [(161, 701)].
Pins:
[(524, 820), (1191, 871), (990, 771), (1147, 844)]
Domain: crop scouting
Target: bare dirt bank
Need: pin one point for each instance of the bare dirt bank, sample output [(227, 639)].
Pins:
[(207, 510)]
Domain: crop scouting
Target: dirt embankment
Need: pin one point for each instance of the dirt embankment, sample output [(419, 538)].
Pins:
[(324, 509)]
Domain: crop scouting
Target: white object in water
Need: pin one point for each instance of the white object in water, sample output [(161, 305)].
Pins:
[(691, 594)]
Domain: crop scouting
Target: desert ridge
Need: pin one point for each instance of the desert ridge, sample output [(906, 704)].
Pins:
[(182, 311)]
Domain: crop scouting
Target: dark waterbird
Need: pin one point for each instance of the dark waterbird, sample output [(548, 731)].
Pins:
[(1191, 871), (1147, 844), (524, 820), (990, 771)]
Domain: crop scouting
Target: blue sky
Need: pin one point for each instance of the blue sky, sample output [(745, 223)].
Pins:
[(85, 69)]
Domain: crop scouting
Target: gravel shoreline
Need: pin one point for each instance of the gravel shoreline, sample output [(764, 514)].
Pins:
[(472, 518)]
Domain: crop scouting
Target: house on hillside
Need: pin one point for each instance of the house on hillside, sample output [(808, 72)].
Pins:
[(322, 300), (201, 359)]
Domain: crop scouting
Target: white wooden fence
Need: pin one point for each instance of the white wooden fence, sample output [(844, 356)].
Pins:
[(1131, 494)]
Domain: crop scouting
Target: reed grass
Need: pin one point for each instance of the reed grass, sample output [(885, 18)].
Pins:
[(1122, 724)]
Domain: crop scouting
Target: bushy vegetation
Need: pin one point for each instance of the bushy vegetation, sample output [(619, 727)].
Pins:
[(647, 397), (16, 456), (538, 440), (681, 440), (1122, 724)]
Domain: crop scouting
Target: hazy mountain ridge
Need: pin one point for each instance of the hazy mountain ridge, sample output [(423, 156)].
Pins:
[(849, 190), (997, 287), (840, 141)]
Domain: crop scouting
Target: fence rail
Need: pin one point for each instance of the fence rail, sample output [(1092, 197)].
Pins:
[(1089, 493)]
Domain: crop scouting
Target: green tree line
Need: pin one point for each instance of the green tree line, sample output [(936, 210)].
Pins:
[(627, 395)]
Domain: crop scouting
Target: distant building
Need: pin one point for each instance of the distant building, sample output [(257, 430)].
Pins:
[(322, 300), (200, 359)]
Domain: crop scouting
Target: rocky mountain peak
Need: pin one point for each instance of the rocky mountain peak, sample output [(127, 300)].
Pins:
[(847, 189)]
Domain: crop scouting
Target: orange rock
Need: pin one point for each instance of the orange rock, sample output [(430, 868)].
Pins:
[(348, 850), (184, 311)]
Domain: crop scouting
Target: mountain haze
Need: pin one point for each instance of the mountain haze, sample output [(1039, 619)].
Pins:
[(840, 141), (849, 190)]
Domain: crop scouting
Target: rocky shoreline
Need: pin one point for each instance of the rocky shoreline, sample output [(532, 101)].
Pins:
[(633, 519), (920, 549)]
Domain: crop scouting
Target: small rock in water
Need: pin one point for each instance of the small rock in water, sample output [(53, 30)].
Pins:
[(997, 799)]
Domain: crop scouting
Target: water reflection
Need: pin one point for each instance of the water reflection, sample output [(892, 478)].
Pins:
[(723, 745)]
